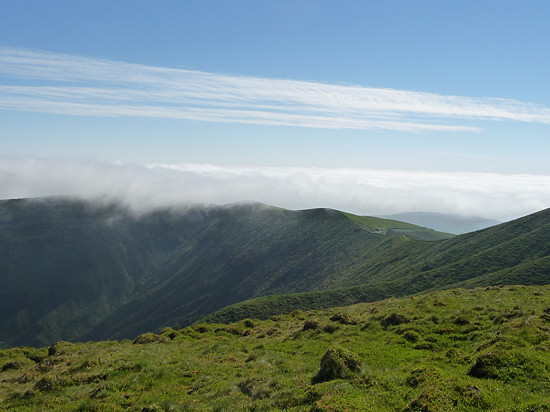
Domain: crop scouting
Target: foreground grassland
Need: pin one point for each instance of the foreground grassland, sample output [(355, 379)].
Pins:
[(482, 349)]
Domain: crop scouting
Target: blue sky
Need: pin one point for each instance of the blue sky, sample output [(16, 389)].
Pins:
[(368, 106)]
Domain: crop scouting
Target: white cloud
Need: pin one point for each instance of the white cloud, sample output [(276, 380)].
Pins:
[(362, 191), (56, 83)]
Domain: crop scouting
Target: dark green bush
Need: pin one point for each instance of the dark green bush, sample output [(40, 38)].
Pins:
[(330, 328), (421, 375), (12, 365), (506, 365), (169, 332), (394, 319), (411, 336), (343, 318), (60, 348), (461, 320), (47, 383), (310, 325), (249, 323), (337, 363)]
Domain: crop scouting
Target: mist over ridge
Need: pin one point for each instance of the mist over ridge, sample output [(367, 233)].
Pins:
[(359, 191)]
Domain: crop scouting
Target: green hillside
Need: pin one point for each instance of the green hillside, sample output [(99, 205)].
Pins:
[(75, 270), (79, 270), (247, 253), (455, 350), (516, 252), (394, 227)]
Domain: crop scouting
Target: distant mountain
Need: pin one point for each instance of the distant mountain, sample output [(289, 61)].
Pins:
[(443, 222), (76, 270)]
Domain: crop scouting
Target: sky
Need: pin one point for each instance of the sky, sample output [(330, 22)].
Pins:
[(372, 107)]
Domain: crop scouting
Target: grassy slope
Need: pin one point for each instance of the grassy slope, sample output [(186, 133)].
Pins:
[(71, 269), (65, 265), (77, 271), (455, 350), (516, 252), (395, 227), (251, 252)]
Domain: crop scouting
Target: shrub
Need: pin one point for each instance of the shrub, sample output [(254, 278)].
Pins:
[(36, 355), (330, 328), (169, 332), (47, 383), (431, 399), (12, 365), (421, 375), (411, 336), (461, 320), (248, 323), (310, 325), (202, 327), (60, 348), (337, 363), (343, 318), (394, 319), (505, 365)]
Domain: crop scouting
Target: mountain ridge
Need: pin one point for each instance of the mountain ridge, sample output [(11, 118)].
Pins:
[(76, 270)]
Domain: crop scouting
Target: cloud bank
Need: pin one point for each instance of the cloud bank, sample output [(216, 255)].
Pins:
[(65, 84), (361, 191)]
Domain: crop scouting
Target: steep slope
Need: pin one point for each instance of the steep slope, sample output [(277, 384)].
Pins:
[(245, 253), (78, 270), (396, 227), (65, 264), (517, 252)]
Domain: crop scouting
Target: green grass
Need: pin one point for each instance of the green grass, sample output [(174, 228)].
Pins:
[(394, 227), (456, 350)]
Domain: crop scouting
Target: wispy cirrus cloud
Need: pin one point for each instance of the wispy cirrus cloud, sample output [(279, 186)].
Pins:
[(362, 191), (66, 84)]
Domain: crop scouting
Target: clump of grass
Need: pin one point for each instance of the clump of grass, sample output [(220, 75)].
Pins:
[(48, 383), (412, 336), (394, 319), (169, 332), (420, 376), (368, 367), (61, 348), (258, 387), (149, 338), (310, 325), (248, 323), (506, 365), (337, 363), (16, 365), (343, 318)]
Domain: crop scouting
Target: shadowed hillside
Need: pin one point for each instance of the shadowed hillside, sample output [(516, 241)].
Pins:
[(517, 252), (76, 270)]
